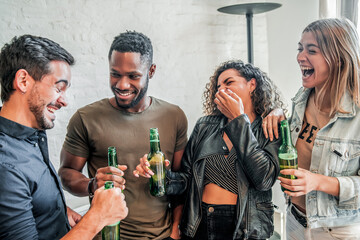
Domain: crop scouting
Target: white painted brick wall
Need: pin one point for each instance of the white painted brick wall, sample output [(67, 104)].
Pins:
[(190, 39)]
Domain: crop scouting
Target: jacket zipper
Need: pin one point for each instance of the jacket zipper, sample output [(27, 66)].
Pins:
[(247, 223)]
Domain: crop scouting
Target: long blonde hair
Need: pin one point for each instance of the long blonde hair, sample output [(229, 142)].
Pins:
[(339, 44)]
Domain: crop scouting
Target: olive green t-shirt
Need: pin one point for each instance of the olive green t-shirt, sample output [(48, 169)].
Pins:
[(95, 127)]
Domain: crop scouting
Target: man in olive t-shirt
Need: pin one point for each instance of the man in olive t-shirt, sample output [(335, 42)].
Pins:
[(124, 121)]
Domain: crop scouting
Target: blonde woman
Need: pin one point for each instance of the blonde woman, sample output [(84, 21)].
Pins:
[(324, 200)]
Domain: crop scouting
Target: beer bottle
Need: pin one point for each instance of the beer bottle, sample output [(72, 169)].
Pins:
[(112, 158), (157, 165), (287, 151), (111, 232)]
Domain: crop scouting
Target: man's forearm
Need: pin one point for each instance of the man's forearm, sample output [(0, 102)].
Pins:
[(74, 181)]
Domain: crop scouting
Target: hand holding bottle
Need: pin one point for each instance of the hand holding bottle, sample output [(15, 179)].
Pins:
[(109, 173), (107, 206), (143, 168), (306, 182), (113, 172), (110, 205)]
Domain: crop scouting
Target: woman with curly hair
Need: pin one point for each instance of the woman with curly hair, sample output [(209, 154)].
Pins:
[(229, 167)]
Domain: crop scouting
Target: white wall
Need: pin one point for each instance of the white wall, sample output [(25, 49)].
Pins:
[(284, 28), (190, 39)]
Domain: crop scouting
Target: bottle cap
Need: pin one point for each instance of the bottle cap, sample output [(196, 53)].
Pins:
[(284, 122), (154, 135), (109, 184), (154, 131), (112, 149)]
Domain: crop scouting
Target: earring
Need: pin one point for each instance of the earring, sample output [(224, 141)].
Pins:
[(23, 92)]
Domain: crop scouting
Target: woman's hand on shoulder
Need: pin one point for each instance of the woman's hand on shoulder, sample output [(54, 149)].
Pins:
[(270, 123)]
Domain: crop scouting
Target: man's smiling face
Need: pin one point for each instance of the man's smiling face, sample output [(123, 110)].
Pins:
[(48, 95)]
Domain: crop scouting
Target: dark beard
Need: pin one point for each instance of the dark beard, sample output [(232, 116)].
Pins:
[(37, 106), (135, 101)]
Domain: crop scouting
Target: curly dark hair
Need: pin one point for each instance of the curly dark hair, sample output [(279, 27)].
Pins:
[(265, 97), (31, 53), (132, 41)]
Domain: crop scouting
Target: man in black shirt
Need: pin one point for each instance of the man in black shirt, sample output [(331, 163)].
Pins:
[(35, 74)]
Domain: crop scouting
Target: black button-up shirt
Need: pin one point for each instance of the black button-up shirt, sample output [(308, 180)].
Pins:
[(32, 204)]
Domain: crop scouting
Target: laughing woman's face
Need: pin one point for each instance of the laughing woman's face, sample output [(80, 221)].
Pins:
[(313, 65)]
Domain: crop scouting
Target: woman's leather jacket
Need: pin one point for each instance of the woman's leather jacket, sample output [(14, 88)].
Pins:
[(257, 168)]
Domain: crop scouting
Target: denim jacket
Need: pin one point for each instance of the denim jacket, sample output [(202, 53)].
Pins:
[(336, 153)]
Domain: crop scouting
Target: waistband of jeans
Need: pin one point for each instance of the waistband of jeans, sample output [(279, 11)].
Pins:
[(298, 215), (220, 206)]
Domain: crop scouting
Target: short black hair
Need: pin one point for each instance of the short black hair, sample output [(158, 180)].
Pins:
[(31, 53), (132, 41)]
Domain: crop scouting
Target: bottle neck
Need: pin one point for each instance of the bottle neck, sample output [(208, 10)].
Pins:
[(155, 145), (286, 136), (112, 159)]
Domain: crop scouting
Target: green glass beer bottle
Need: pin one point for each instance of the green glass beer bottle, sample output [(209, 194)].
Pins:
[(111, 232), (157, 165), (112, 157), (287, 152)]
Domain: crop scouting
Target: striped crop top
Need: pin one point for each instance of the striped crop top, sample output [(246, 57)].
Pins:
[(220, 170)]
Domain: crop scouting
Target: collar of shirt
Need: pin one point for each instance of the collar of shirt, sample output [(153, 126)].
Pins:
[(16, 130), (22, 132)]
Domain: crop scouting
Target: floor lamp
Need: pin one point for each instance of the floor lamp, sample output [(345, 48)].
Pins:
[(249, 9)]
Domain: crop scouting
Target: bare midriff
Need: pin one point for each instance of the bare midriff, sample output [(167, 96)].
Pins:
[(213, 194)]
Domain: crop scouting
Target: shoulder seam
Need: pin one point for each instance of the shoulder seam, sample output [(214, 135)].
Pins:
[(210, 119)]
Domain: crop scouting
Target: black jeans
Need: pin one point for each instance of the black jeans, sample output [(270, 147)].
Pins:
[(217, 222)]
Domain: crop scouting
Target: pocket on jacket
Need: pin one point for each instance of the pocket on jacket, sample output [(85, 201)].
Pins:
[(265, 211), (344, 159)]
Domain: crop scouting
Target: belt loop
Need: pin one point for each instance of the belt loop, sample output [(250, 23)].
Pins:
[(288, 199)]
